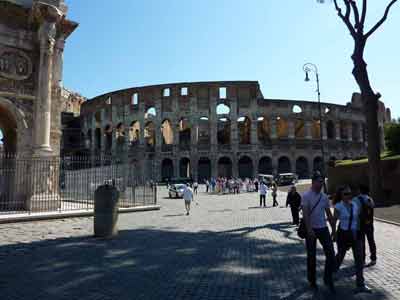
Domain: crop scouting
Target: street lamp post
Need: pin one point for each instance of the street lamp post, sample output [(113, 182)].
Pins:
[(309, 67)]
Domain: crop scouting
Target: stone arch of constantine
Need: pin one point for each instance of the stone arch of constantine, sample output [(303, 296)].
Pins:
[(32, 39), (204, 129)]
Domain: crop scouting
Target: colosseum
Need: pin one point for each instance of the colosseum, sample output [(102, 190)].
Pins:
[(208, 129)]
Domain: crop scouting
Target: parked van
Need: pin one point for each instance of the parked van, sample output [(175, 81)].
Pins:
[(286, 178), (267, 178)]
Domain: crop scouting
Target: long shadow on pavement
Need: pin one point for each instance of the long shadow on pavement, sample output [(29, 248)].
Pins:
[(160, 264)]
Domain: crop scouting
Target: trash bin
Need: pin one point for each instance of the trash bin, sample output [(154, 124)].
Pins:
[(106, 199)]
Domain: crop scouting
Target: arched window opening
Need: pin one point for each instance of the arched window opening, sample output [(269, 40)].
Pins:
[(225, 167), (150, 113), (184, 168), (265, 166), (204, 169), (108, 131), (244, 128), (302, 169), (316, 130), (223, 109), (167, 169), (203, 134), (149, 135), (284, 165), (263, 130), (135, 99), (167, 133), (282, 128), (224, 131), (184, 91), (297, 109), (222, 92), (166, 92), (134, 132), (245, 167), (330, 130), (184, 133)]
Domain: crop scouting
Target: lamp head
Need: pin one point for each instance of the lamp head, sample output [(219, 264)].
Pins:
[(307, 77)]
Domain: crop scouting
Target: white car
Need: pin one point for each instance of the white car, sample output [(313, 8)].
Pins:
[(176, 190)]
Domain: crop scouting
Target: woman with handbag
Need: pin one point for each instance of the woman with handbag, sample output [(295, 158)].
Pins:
[(348, 233)]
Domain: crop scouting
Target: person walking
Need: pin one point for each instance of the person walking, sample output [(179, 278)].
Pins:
[(274, 189), (256, 184), (316, 210), (263, 193), (348, 234), (367, 205), (195, 186), (187, 197), (294, 200), (207, 185)]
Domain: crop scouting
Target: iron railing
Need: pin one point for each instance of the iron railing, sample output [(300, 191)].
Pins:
[(68, 183)]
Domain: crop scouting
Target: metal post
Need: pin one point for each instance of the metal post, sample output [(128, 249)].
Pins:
[(309, 67)]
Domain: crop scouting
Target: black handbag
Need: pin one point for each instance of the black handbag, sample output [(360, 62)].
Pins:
[(302, 229)]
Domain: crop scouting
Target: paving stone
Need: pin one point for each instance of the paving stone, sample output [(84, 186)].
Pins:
[(228, 248)]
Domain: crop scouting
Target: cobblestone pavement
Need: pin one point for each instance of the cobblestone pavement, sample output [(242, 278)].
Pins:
[(228, 248)]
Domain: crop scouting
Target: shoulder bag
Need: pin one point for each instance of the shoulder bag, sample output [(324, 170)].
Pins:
[(302, 229)]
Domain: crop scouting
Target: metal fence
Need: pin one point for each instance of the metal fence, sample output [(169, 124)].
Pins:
[(68, 183)]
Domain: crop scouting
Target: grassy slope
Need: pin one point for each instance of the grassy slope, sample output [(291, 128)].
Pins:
[(384, 156)]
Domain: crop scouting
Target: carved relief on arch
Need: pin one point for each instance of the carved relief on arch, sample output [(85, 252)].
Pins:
[(15, 64)]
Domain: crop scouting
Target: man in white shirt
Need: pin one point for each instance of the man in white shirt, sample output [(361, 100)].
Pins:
[(188, 197), (315, 206), (263, 193)]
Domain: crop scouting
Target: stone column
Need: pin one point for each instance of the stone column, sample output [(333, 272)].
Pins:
[(213, 125), (93, 132), (233, 116), (308, 133), (214, 166), (114, 123), (175, 132), (102, 131), (324, 132), (338, 131), (273, 128), (254, 136), (291, 125), (47, 33), (349, 132), (235, 166), (360, 135)]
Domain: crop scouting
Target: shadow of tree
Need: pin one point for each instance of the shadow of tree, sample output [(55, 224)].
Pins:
[(161, 264)]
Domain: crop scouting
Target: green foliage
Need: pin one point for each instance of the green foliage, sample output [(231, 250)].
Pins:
[(392, 137)]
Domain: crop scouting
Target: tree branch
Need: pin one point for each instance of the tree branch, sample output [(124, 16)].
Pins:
[(346, 18), (363, 13), (381, 21), (356, 14)]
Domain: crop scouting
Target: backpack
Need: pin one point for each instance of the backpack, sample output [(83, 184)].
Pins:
[(366, 213)]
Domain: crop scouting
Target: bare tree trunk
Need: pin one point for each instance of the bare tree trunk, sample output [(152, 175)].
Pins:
[(370, 99), (375, 178)]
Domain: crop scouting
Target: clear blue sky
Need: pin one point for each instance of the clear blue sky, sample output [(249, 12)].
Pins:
[(125, 43)]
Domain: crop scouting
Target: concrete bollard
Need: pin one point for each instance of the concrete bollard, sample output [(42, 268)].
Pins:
[(106, 199)]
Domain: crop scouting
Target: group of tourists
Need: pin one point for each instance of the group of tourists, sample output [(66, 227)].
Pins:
[(353, 209), (263, 193), (350, 216), (224, 185)]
